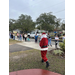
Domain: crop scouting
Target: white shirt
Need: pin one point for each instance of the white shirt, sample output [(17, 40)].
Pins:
[(25, 35), (56, 38)]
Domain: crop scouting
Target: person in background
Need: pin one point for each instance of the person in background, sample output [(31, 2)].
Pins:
[(17, 35), (25, 36), (36, 38), (63, 37), (10, 35), (20, 37), (39, 37), (56, 41), (58, 35), (48, 35), (49, 41), (13, 36)]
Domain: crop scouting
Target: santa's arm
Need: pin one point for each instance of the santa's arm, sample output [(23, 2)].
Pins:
[(41, 43)]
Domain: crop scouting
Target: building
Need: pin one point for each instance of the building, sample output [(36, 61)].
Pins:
[(16, 30)]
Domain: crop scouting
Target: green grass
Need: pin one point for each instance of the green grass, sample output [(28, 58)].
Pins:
[(31, 59), (11, 41)]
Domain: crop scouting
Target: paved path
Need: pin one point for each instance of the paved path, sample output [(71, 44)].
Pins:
[(32, 44), (35, 45)]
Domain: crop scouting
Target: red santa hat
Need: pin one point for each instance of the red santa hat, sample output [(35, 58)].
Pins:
[(43, 33)]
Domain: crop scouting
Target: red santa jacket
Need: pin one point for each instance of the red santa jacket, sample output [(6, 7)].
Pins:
[(44, 43)]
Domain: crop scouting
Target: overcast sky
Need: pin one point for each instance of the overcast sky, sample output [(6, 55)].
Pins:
[(35, 7)]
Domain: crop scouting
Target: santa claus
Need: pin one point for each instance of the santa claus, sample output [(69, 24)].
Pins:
[(44, 47)]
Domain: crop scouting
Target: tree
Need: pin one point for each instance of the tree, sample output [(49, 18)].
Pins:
[(46, 21), (25, 23), (57, 23), (11, 24), (63, 26)]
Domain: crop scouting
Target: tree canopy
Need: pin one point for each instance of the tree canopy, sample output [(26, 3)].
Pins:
[(45, 21), (24, 23)]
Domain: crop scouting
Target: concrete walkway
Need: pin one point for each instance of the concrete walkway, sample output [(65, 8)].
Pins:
[(34, 45)]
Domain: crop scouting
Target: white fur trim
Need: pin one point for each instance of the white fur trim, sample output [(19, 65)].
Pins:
[(43, 36), (43, 49)]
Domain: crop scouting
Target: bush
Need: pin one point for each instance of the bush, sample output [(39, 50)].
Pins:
[(62, 46), (58, 52)]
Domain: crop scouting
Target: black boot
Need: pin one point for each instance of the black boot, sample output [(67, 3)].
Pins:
[(47, 64), (42, 60)]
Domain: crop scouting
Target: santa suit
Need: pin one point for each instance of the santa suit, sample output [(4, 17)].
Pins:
[(44, 46)]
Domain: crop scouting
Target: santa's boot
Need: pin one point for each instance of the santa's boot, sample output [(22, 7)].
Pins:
[(47, 64), (42, 60)]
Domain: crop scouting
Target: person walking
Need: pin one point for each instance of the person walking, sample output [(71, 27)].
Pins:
[(44, 47), (36, 38), (56, 41), (25, 36)]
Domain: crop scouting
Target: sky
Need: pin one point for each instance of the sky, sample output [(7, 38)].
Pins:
[(36, 7)]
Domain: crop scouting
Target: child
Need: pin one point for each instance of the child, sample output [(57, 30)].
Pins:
[(49, 41), (39, 37)]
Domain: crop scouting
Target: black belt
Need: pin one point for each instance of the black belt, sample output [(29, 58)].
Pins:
[(44, 46)]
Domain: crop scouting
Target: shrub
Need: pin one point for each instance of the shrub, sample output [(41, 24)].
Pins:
[(58, 52), (62, 46)]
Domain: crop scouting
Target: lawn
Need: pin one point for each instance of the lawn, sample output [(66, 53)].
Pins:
[(31, 59), (11, 41)]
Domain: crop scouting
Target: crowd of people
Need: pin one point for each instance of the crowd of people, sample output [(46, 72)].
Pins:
[(24, 37), (20, 37), (38, 38)]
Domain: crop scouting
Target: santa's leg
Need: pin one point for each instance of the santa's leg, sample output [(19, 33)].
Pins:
[(43, 55)]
